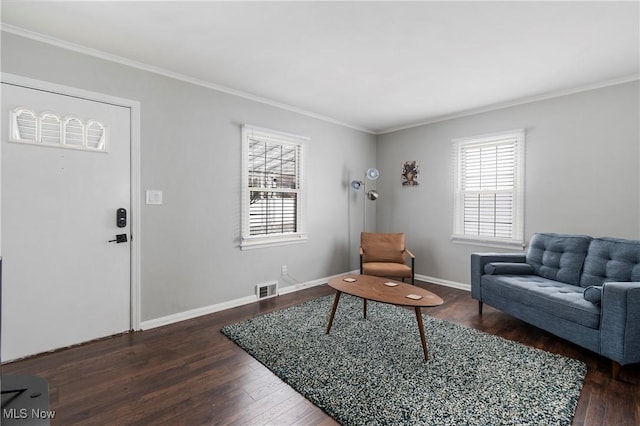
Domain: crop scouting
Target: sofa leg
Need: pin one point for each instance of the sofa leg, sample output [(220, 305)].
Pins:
[(615, 370), (479, 308)]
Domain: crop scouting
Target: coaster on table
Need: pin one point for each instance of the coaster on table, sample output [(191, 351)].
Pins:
[(390, 284), (349, 280), (413, 296)]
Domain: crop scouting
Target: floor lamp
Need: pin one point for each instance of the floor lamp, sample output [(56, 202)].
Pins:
[(372, 194)]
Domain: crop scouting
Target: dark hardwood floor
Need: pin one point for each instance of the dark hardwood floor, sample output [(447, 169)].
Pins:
[(190, 374)]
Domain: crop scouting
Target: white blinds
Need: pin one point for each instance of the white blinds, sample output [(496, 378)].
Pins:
[(272, 213), (274, 182), (489, 187), (273, 194), (488, 184)]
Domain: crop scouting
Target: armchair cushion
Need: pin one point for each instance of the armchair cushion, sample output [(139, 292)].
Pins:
[(382, 247), (386, 269)]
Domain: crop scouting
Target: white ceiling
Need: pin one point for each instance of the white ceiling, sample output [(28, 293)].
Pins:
[(375, 66)]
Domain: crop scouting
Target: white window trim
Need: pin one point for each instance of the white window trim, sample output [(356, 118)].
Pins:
[(517, 242), (262, 241)]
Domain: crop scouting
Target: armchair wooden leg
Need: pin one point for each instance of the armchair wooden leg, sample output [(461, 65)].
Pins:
[(364, 308), (413, 270), (479, 308), (615, 370)]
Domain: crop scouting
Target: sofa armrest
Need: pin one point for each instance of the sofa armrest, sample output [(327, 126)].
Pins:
[(478, 260), (620, 322)]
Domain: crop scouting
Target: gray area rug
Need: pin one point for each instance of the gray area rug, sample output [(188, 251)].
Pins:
[(372, 372)]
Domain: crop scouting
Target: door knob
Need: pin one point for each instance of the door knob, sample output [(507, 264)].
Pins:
[(120, 238)]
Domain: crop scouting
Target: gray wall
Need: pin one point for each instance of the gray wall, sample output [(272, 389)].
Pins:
[(582, 174), (190, 149)]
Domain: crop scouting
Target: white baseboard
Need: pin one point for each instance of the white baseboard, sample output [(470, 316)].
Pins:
[(205, 310), (194, 313), (446, 283), (308, 284)]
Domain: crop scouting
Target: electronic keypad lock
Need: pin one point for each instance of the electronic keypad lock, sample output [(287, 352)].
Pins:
[(121, 217)]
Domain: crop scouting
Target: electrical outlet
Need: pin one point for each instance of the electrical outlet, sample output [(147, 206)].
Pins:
[(284, 270)]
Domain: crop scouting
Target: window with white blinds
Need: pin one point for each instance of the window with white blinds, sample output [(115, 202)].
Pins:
[(272, 200), (488, 207)]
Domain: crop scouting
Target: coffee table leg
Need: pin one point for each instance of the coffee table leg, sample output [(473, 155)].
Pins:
[(423, 338), (333, 310)]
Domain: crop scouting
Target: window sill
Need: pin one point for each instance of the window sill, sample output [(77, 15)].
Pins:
[(273, 241), (488, 242)]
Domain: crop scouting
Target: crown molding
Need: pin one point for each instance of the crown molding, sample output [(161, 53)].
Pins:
[(516, 102), (12, 29)]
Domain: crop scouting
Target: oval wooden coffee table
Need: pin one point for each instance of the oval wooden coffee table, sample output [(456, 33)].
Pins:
[(393, 292)]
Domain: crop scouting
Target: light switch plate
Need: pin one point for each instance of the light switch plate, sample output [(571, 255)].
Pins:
[(154, 197)]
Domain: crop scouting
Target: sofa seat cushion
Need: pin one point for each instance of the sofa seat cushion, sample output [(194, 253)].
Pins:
[(561, 300), (611, 260)]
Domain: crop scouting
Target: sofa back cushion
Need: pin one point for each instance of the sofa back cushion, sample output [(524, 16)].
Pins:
[(558, 257), (611, 259)]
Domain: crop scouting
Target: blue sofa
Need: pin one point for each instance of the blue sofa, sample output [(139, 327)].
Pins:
[(583, 289)]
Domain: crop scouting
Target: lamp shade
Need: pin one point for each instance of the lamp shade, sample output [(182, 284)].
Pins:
[(373, 173), (356, 184)]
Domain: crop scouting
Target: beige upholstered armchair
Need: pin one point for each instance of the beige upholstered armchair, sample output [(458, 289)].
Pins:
[(384, 255)]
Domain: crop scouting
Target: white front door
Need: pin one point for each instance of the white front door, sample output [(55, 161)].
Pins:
[(64, 280)]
